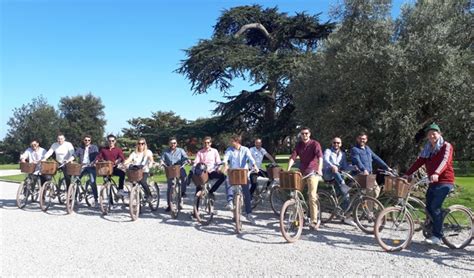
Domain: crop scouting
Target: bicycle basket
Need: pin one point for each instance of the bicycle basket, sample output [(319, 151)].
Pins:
[(173, 171), (365, 181), (135, 175), (27, 168), (389, 184), (402, 187), (73, 169), (273, 172), (48, 167), (104, 168), (201, 179), (291, 180), (238, 176)]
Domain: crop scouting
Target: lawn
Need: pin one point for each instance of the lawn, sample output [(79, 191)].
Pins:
[(9, 166)]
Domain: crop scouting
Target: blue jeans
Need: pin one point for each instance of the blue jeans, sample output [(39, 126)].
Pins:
[(92, 176), (329, 175), (434, 200), (245, 191), (183, 185)]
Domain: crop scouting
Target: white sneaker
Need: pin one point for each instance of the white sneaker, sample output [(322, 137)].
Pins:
[(433, 240), (250, 218), (349, 221), (229, 205)]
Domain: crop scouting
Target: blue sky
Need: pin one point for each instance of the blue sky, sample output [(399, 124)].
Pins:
[(123, 51)]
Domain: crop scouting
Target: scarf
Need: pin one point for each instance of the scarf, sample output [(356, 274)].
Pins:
[(428, 150)]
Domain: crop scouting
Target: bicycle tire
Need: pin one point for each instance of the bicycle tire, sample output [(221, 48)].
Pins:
[(48, 193), (22, 194), (203, 208), (277, 198), (134, 203), (327, 208), (175, 199), (155, 197), (417, 212), (365, 213), (237, 213), (391, 221), (458, 220), (35, 193), (294, 221), (71, 197), (104, 199)]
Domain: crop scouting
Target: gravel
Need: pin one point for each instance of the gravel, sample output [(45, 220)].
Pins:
[(34, 243)]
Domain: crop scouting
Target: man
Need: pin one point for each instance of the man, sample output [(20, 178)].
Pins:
[(362, 156), (311, 161), (175, 156), (258, 153), (334, 162), (34, 154), (63, 151), (239, 157), (87, 154), (209, 156), (115, 155)]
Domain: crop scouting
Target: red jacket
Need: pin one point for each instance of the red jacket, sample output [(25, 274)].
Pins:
[(440, 164)]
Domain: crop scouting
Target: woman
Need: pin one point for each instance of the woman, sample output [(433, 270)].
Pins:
[(437, 156), (141, 157)]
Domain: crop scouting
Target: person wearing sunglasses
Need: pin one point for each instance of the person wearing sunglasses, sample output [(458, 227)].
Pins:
[(335, 161), (63, 151), (115, 155), (87, 153), (34, 154), (142, 157), (311, 161), (175, 156)]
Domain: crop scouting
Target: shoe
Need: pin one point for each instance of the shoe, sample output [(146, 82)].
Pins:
[(314, 226), (122, 193), (433, 240), (250, 218), (168, 209), (229, 205), (349, 221), (181, 204)]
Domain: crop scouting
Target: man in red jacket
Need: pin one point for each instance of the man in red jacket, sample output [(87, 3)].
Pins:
[(437, 156)]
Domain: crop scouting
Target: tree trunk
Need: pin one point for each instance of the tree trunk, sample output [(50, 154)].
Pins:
[(269, 140)]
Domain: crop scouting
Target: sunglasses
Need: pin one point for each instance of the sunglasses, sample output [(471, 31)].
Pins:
[(305, 133), (87, 140), (207, 142), (111, 141), (141, 143), (336, 142), (173, 143)]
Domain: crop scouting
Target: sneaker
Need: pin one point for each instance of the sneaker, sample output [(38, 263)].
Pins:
[(315, 226), (433, 240), (229, 205), (122, 193), (181, 204), (250, 218), (168, 209), (349, 221)]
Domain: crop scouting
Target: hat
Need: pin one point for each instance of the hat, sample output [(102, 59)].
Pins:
[(432, 126)]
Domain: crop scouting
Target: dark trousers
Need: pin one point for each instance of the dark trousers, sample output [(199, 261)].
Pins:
[(434, 200), (92, 177), (121, 175), (145, 185), (66, 177), (253, 180), (219, 176)]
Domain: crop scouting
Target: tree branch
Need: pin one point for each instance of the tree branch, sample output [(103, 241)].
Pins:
[(253, 26)]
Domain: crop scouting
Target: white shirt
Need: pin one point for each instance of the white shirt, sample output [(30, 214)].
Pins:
[(258, 155), (63, 152), (137, 159), (34, 157)]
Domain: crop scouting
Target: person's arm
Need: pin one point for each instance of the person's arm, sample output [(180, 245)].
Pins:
[(99, 156), (417, 164), (293, 156), (184, 157), (49, 152), (267, 155), (70, 153), (319, 155), (327, 158), (252, 160), (197, 159), (226, 161), (129, 159), (378, 160), (151, 161), (24, 156), (355, 157), (121, 156), (447, 157), (343, 165)]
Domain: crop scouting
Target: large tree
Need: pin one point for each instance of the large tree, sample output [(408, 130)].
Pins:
[(82, 115), (265, 47)]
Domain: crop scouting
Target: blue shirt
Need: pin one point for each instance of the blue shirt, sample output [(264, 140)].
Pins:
[(333, 158), (363, 158), (238, 158), (176, 157)]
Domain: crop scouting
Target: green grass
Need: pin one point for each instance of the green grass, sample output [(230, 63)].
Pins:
[(465, 193), (9, 166)]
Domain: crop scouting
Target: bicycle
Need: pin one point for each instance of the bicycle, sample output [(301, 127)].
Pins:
[(138, 198), (295, 210), (203, 208), (237, 179), (174, 173), (52, 189), (265, 185), (78, 191), (30, 187), (364, 208), (108, 196), (394, 227)]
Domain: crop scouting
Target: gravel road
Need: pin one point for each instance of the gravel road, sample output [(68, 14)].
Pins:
[(34, 243)]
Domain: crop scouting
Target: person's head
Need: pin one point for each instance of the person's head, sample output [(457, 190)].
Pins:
[(433, 133), (235, 140), (61, 139), (111, 140), (362, 139), (336, 143), (305, 134), (258, 143), (173, 143), (207, 142), (34, 144), (87, 139), (141, 145)]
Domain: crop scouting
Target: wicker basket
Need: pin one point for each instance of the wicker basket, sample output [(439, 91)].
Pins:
[(402, 188), (366, 181), (200, 180), (73, 169), (27, 168), (389, 184), (291, 180), (48, 167), (273, 172), (134, 175), (104, 168), (173, 171), (238, 176)]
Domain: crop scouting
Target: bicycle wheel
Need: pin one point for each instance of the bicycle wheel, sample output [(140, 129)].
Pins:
[(104, 199), (365, 213), (203, 208), (23, 193), (134, 204), (47, 194), (90, 200), (291, 221), (277, 198), (34, 191), (155, 196), (327, 208), (257, 196), (417, 212), (175, 199), (394, 229), (61, 191), (458, 227), (237, 213), (71, 197)]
